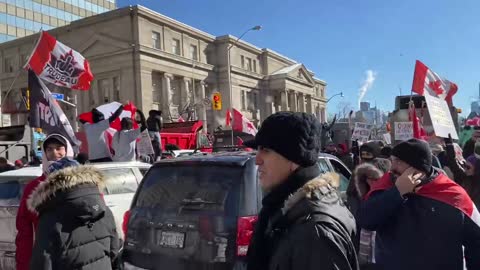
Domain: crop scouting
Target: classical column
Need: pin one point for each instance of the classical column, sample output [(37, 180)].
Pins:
[(146, 98), (167, 93), (309, 104), (301, 102), (269, 106), (284, 100), (293, 101), (323, 114), (201, 109), (186, 97)]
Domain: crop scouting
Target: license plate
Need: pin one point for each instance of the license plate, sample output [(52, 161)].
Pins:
[(172, 239)]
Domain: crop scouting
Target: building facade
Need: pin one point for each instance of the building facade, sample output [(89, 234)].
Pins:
[(19, 18), (156, 62)]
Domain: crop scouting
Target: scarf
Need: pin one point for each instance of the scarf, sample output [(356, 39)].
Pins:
[(260, 249), (439, 188)]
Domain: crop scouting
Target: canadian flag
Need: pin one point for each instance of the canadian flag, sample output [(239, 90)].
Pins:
[(242, 124), (56, 63), (427, 81), (129, 110)]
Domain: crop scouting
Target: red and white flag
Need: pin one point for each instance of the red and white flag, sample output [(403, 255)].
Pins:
[(129, 111), (56, 63), (109, 109), (242, 124), (425, 81)]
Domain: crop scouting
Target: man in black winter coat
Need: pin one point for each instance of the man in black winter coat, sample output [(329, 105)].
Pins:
[(303, 223), (76, 230), (423, 220), (155, 125)]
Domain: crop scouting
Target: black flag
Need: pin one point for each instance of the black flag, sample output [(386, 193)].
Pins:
[(45, 113)]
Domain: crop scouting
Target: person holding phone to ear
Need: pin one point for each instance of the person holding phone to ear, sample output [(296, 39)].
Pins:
[(423, 219)]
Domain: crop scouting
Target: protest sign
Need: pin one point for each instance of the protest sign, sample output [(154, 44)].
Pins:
[(441, 118), (387, 138), (403, 131), (361, 132), (144, 145)]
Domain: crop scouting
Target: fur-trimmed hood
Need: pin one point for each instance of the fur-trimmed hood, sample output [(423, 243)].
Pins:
[(64, 180), (362, 173), (323, 184)]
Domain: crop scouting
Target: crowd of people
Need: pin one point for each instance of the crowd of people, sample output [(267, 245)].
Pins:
[(123, 145), (410, 206), (6, 165)]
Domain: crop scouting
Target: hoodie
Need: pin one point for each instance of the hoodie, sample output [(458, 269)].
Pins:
[(26, 220)]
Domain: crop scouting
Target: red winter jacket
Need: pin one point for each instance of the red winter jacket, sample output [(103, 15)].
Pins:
[(26, 224)]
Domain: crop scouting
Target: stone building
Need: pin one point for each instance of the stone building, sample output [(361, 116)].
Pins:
[(156, 62)]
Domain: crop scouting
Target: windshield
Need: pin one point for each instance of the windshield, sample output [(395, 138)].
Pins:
[(191, 188)]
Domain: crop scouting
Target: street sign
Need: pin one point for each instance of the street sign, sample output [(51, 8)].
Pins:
[(58, 96)]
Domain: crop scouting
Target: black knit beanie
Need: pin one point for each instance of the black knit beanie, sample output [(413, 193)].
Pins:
[(370, 147), (415, 153), (294, 135)]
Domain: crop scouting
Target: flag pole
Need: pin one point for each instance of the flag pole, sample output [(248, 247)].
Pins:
[(19, 70)]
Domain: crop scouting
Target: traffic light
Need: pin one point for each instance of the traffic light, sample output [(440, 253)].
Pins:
[(217, 101), (459, 110)]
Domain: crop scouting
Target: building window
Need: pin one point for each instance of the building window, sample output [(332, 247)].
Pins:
[(255, 66), (243, 100), (157, 86), (116, 88), (193, 52), (252, 98), (8, 64), (105, 90), (24, 59), (249, 64), (176, 46), (156, 40), (242, 58)]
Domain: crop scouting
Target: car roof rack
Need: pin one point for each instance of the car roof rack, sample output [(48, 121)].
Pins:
[(225, 148)]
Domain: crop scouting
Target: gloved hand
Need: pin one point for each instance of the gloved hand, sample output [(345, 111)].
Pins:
[(449, 140)]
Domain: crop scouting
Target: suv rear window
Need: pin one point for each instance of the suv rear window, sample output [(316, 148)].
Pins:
[(192, 188), (119, 181)]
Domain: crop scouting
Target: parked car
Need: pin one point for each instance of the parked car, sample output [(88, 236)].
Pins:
[(122, 180), (198, 212)]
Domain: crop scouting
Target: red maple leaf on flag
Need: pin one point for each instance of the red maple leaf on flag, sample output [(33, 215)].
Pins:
[(436, 86)]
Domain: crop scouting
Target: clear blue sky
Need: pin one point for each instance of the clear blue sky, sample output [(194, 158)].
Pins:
[(341, 39)]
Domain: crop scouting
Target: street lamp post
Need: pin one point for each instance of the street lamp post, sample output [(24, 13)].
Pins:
[(339, 94), (255, 28)]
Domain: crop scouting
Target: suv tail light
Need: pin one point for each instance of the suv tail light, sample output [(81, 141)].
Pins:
[(126, 218), (245, 226)]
